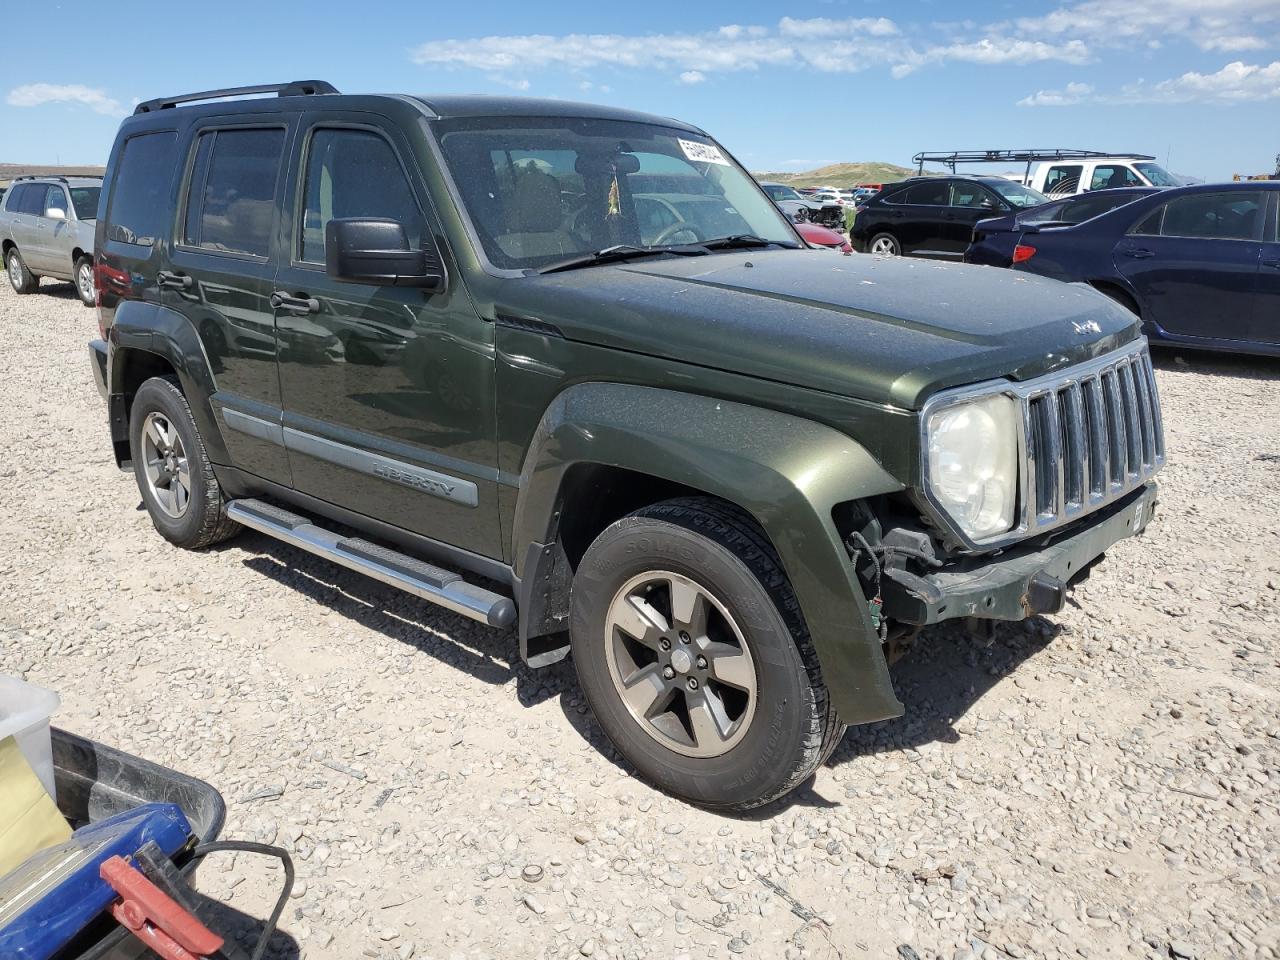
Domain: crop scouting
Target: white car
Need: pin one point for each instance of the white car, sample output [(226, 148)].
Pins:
[(1064, 178)]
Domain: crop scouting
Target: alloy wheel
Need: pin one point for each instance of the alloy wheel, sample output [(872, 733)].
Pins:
[(165, 465), (680, 664), (885, 246), (15, 271), (84, 280)]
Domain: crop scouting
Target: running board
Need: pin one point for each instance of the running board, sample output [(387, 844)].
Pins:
[(442, 587)]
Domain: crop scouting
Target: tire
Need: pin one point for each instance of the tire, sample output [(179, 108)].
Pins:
[(166, 447), (775, 720), (885, 245), (83, 279), (20, 278)]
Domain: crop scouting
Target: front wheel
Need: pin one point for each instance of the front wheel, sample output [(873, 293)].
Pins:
[(84, 282), (20, 278), (693, 654), (885, 245)]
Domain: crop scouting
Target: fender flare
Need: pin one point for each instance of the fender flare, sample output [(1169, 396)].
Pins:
[(786, 471), (154, 329)]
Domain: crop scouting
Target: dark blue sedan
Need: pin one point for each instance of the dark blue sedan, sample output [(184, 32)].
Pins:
[(1200, 265), (996, 238)]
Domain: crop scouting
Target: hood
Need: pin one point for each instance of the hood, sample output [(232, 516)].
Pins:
[(883, 329)]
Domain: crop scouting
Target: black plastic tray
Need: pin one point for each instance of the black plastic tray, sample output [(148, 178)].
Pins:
[(94, 782)]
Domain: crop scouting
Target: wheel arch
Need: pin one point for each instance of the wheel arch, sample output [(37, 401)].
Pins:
[(148, 340), (1120, 293), (619, 447)]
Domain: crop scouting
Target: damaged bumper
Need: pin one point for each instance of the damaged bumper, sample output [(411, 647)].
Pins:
[(1018, 583)]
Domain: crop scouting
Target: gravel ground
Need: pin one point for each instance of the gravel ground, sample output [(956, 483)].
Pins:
[(1102, 783)]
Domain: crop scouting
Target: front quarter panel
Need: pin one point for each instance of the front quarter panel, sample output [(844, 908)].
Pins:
[(787, 472)]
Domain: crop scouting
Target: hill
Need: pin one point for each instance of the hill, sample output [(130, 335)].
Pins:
[(8, 171), (843, 174)]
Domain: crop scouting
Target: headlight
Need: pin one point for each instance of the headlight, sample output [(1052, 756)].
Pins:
[(973, 463)]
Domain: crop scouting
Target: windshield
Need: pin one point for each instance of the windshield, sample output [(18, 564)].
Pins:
[(779, 192), (1018, 195), (1158, 175), (85, 200), (539, 190)]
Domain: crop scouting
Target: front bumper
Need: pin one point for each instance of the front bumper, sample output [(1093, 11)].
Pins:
[(1018, 583)]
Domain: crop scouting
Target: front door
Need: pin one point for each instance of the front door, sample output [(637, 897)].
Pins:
[(970, 202), (388, 391), (220, 277), (43, 257), (1266, 303), (924, 226), (1194, 263)]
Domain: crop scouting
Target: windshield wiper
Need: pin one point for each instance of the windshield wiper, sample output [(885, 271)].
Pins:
[(742, 241), (620, 252)]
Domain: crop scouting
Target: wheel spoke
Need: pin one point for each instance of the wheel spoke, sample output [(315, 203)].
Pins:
[(728, 665), (179, 495), (637, 618), (646, 692), (158, 438), (688, 607), (707, 716), (184, 472)]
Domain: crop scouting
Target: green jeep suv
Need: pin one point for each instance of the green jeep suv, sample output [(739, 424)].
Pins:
[(566, 370)]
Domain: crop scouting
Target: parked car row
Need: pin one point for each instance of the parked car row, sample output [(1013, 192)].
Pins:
[(800, 208)]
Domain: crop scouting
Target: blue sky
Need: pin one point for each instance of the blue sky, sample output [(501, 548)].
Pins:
[(784, 86)]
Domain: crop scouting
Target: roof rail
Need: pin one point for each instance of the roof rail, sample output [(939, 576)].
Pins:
[(294, 88), (1027, 156)]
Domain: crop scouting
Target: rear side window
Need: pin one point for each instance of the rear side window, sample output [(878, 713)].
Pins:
[(30, 198), (931, 193), (139, 204), (1063, 179), (1215, 216), (231, 199), (354, 173), (1086, 208)]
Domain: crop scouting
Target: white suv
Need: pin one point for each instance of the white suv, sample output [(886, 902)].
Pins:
[(46, 230), (1064, 178)]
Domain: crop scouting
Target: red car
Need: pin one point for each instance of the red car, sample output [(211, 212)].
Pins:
[(818, 236)]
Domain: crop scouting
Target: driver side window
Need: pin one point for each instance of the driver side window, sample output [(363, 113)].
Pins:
[(965, 194)]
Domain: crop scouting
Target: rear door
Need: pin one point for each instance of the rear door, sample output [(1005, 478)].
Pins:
[(388, 391), (923, 229), (221, 273), (26, 197), (1194, 263)]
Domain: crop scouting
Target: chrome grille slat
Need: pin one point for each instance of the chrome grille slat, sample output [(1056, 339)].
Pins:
[(1090, 434)]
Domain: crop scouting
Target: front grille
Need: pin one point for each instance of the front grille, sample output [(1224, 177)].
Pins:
[(1090, 437)]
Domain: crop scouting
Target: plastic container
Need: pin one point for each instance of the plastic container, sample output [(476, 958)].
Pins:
[(25, 710)]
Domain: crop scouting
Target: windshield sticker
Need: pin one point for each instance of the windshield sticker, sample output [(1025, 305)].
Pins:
[(702, 152)]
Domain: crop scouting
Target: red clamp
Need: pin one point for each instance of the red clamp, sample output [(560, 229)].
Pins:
[(154, 917)]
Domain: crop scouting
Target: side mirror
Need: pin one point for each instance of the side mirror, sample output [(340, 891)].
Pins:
[(56, 213), (376, 250)]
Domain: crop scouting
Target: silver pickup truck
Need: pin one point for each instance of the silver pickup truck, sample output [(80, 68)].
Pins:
[(46, 230)]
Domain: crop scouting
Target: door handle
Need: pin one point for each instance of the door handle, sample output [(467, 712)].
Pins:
[(1140, 253), (291, 304), (178, 281)]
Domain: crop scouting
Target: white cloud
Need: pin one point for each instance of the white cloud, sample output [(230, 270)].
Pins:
[(822, 44), (692, 76), (38, 94), (1071, 94), (1237, 82), (1223, 25)]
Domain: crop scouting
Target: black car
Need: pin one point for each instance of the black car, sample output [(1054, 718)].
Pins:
[(935, 216), (996, 239), (1200, 265)]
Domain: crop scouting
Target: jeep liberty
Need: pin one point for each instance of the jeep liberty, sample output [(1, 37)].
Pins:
[(566, 370)]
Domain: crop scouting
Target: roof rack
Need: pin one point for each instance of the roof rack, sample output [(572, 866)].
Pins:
[(1027, 156), (59, 177), (294, 88)]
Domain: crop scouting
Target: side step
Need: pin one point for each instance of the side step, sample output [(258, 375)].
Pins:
[(442, 587)]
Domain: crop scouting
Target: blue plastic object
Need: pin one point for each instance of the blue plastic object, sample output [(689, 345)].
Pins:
[(58, 892)]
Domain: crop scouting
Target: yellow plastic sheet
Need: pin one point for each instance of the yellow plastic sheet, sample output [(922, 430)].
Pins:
[(29, 819)]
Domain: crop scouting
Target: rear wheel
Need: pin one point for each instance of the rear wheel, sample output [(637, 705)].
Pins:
[(171, 466), (20, 278), (692, 652), (1122, 298), (84, 282), (885, 245)]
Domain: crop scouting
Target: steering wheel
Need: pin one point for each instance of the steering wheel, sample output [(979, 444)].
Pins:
[(681, 226)]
